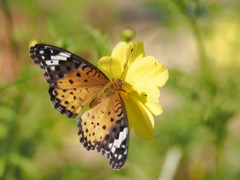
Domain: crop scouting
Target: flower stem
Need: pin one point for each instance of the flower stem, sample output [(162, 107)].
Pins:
[(170, 164), (200, 42)]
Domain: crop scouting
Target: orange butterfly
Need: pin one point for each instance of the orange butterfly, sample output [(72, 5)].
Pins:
[(74, 83)]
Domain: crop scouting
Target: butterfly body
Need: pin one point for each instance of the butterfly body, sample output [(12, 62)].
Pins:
[(111, 88), (74, 83)]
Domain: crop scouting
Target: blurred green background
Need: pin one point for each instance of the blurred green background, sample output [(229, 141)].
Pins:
[(197, 137)]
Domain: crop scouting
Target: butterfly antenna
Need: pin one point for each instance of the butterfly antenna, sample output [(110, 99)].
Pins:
[(111, 69), (125, 65)]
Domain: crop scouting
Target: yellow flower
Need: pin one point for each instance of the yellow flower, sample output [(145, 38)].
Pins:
[(143, 76), (222, 44)]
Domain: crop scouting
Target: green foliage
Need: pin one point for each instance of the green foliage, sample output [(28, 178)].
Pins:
[(202, 119)]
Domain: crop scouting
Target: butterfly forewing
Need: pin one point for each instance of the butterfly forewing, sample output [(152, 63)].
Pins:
[(105, 128), (73, 81)]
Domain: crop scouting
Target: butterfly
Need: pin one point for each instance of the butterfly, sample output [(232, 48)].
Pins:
[(75, 83)]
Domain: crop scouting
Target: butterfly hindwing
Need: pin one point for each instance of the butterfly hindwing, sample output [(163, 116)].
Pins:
[(70, 101), (73, 81), (105, 128)]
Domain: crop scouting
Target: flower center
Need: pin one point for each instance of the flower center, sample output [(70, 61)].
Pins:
[(122, 88)]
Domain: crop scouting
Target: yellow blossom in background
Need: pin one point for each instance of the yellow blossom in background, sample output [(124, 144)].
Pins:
[(33, 42), (222, 46), (143, 76)]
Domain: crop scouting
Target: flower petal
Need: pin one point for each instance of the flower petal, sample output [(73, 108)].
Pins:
[(155, 108), (111, 67), (163, 77), (137, 52), (122, 52), (140, 118), (145, 76), (128, 53), (152, 106), (145, 69)]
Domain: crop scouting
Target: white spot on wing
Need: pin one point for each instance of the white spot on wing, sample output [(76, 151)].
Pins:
[(66, 54), (117, 142), (54, 93), (120, 156), (122, 136), (110, 145), (114, 147), (57, 57), (125, 152), (52, 62)]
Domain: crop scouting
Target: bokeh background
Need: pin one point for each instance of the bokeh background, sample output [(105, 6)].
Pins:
[(196, 138)]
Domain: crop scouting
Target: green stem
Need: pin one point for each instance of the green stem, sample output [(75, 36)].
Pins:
[(200, 42), (192, 21)]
